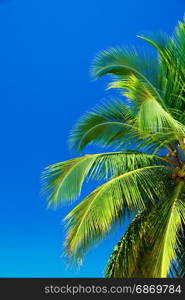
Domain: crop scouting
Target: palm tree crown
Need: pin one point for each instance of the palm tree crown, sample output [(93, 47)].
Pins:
[(145, 173)]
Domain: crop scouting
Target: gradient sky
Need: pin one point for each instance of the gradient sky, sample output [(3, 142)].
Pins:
[(46, 48)]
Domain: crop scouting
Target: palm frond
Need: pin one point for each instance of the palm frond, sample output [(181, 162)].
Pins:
[(127, 259), (156, 142), (124, 64), (153, 118), (177, 268), (171, 51), (94, 216), (165, 227), (107, 124), (133, 88), (63, 181), (151, 245), (152, 112)]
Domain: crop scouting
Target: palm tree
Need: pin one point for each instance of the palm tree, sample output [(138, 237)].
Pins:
[(144, 175)]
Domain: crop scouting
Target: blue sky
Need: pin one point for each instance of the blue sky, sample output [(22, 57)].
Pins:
[(46, 48)]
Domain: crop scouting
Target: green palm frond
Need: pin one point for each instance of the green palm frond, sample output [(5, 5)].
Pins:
[(177, 268), (106, 125), (93, 217), (117, 125), (166, 223), (153, 118), (124, 62), (63, 181), (133, 88), (154, 143), (127, 259), (171, 51), (127, 64), (152, 113), (151, 245)]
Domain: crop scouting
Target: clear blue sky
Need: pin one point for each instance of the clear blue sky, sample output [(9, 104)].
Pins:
[(46, 48)]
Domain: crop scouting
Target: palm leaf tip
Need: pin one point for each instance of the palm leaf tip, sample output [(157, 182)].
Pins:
[(63, 181)]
